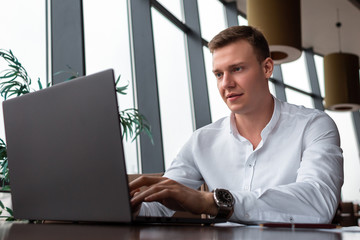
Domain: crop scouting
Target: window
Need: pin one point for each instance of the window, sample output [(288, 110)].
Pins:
[(173, 6), (242, 21), (173, 85), (295, 75), (16, 32), (272, 88), (212, 18), (319, 64), (298, 98)]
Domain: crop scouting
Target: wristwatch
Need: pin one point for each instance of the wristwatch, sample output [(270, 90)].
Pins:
[(225, 202)]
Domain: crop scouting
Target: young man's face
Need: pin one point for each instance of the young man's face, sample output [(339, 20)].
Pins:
[(241, 79)]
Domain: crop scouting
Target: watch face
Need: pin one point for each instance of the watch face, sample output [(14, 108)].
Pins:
[(224, 197)]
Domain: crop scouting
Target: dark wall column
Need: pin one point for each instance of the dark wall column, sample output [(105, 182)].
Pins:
[(314, 81), (196, 62), (144, 71), (279, 83), (67, 39), (231, 14)]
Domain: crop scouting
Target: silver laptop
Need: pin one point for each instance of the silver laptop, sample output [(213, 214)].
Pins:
[(65, 154)]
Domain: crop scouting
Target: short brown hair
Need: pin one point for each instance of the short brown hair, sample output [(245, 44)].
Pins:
[(248, 33)]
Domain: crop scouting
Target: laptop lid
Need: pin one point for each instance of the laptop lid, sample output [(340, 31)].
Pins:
[(65, 152)]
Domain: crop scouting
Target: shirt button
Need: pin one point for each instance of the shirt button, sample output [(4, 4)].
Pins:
[(247, 216), (246, 187), (250, 165)]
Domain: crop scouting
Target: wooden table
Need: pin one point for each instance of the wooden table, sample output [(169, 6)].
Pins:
[(11, 231)]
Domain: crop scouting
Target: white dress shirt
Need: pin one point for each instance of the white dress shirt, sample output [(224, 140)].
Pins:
[(295, 173)]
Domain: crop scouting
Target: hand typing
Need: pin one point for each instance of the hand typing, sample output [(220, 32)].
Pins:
[(171, 194)]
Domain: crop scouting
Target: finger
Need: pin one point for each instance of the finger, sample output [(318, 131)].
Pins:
[(134, 192), (166, 189), (169, 198), (159, 195), (141, 195), (135, 209), (147, 195), (138, 197), (145, 181)]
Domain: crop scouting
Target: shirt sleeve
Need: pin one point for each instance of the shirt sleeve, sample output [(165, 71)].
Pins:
[(155, 209), (315, 195)]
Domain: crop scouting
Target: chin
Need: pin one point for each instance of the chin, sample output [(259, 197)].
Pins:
[(238, 110)]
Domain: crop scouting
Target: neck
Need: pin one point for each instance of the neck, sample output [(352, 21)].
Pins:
[(250, 125)]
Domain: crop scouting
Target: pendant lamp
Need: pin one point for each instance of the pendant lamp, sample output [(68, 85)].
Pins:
[(341, 74), (280, 22)]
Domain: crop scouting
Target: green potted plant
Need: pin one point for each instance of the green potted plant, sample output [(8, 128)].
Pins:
[(15, 81)]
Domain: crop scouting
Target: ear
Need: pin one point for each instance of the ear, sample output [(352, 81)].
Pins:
[(268, 66)]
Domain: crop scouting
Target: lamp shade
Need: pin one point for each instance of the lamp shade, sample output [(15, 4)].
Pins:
[(280, 22), (341, 73)]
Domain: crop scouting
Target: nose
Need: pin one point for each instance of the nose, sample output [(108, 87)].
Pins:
[(228, 81)]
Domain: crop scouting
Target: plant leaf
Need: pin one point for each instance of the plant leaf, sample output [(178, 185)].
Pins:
[(39, 84)]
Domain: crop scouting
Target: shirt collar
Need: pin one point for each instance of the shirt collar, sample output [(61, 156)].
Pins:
[(268, 128), (233, 129)]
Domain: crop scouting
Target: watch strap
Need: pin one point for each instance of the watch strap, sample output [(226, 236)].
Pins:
[(224, 211)]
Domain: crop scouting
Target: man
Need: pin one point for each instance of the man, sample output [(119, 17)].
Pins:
[(269, 161)]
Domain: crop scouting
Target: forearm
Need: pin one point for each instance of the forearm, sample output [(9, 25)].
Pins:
[(208, 206)]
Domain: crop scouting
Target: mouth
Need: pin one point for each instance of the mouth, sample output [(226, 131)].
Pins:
[(233, 96)]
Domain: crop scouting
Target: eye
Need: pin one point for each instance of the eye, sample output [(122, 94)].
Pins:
[(237, 69), (218, 75)]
